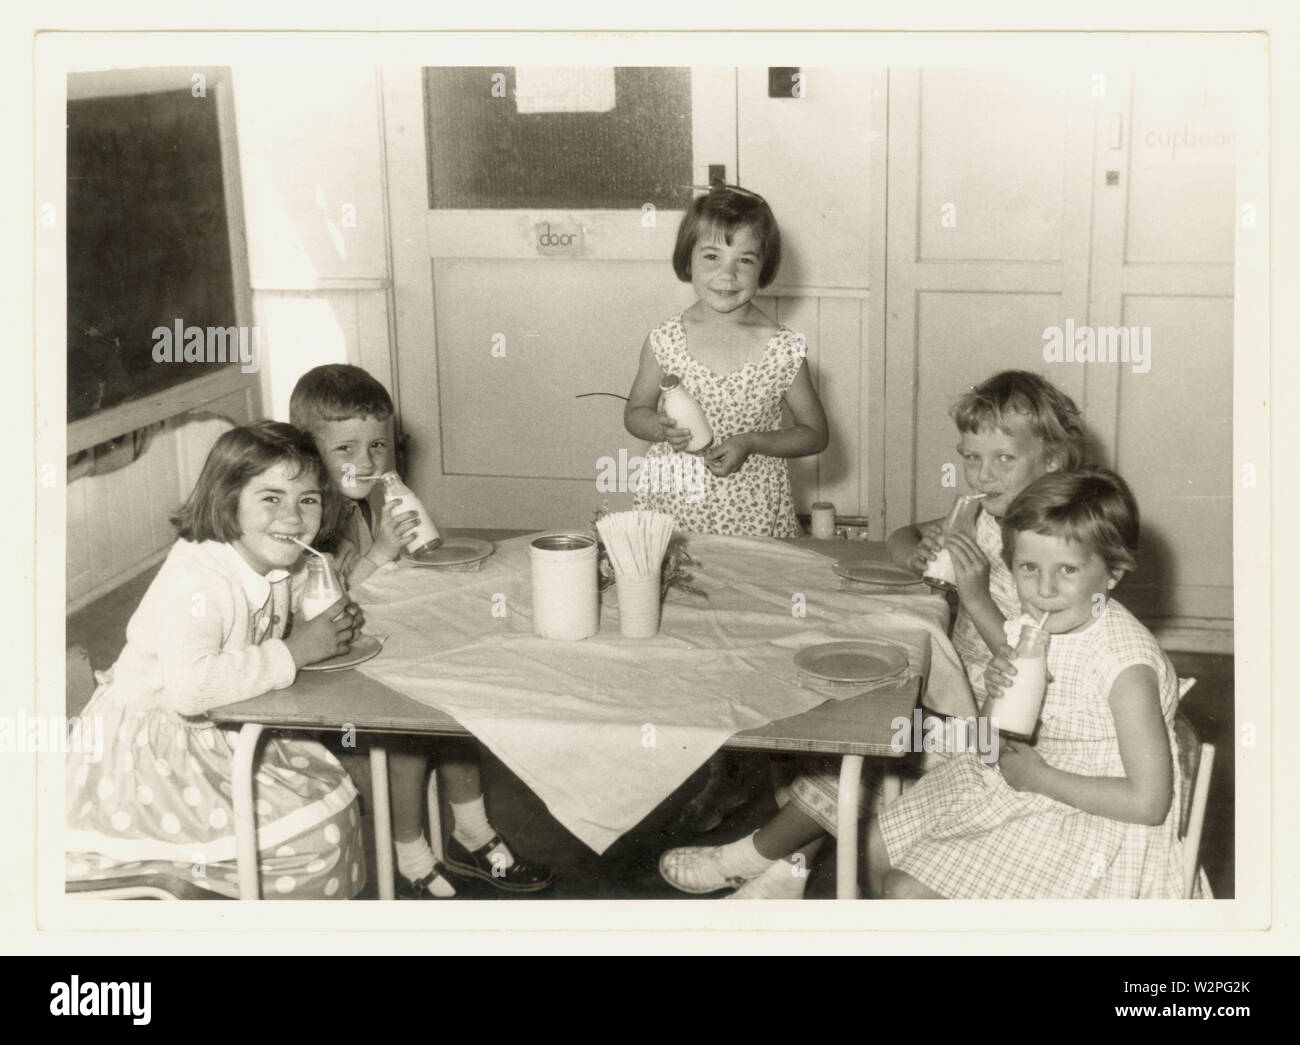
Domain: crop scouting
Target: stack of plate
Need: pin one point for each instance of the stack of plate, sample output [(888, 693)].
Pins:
[(459, 553), (881, 577), (853, 666)]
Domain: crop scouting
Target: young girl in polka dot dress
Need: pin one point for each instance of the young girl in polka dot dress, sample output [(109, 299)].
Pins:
[(740, 366), (211, 630)]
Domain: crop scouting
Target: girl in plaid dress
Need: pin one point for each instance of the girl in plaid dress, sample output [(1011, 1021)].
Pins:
[(1013, 427), (1087, 811)]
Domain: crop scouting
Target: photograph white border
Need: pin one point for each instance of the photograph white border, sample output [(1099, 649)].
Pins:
[(928, 928)]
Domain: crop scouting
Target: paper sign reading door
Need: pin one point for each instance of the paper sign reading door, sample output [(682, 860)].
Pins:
[(558, 237)]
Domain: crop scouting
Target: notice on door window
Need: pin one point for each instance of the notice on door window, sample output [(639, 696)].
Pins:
[(540, 90)]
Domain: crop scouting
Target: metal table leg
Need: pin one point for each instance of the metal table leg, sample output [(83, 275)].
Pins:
[(383, 818), (435, 816), (250, 878), (846, 845)]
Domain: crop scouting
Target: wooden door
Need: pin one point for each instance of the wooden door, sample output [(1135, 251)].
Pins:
[(526, 275)]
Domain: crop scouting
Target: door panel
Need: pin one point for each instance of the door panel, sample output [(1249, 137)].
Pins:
[(994, 152), (999, 331), (1182, 173), (512, 356)]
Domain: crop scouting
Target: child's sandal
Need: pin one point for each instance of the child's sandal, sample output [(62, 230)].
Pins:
[(420, 888)]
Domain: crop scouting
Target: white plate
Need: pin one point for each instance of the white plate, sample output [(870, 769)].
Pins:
[(885, 574), (453, 551), (852, 661), (364, 648)]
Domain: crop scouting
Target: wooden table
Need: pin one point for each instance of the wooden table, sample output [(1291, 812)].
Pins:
[(853, 728)]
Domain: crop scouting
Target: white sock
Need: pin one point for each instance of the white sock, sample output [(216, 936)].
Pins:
[(415, 860), (741, 858), (473, 830)]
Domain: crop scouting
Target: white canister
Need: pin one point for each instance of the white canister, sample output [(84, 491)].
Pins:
[(823, 520), (565, 603)]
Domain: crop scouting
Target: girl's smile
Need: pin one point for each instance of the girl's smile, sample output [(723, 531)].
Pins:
[(1001, 463), (725, 275), (274, 508), (1065, 579)]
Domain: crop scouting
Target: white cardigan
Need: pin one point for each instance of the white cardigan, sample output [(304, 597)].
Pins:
[(192, 643)]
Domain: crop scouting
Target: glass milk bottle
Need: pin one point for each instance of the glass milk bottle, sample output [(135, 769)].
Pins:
[(1020, 704), (682, 407), (940, 573), (323, 588), (424, 537)]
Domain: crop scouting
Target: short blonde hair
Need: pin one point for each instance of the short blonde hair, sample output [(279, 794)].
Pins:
[(1053, 417)]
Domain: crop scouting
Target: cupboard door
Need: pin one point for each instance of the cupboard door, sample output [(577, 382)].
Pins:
[(988, 225), (1165, 268)]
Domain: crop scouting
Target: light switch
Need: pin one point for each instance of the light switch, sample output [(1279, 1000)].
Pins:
[(785, 82)]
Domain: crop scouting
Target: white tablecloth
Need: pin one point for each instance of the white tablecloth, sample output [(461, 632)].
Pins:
[(604, 729)]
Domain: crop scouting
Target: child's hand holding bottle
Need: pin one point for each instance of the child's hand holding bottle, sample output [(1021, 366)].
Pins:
[(1001, 672), (915, 547), (390, 535), (326, 635), (677, 438), (971, 566)]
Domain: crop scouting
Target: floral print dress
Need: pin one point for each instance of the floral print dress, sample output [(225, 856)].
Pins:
[(756, 500)]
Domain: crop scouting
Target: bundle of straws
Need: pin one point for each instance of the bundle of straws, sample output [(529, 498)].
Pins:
[(636, 541)]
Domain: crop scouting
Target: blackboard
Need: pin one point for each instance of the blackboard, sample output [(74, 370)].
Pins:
[(148, 243)]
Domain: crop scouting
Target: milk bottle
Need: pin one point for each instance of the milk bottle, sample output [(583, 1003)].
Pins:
[(1020, 704), (940, 573), (323, 589), (398, 496), (681, 406)]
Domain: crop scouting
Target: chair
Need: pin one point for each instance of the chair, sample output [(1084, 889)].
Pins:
[(139, 887), (80, 679), (1196, 760)]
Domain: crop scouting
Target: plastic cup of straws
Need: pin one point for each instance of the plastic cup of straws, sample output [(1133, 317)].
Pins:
[(639, 602)]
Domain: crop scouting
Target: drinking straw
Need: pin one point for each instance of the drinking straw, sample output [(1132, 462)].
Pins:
[(636, 541), (1043, 619), (319, 555)]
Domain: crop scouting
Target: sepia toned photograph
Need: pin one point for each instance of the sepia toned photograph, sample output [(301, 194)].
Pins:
[(671, 480)]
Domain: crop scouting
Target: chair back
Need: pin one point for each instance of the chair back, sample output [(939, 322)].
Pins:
[(1189, 763), (1196, 763), (80, 679)]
